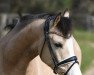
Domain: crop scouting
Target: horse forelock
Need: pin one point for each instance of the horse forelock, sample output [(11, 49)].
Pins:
[(65, 26)]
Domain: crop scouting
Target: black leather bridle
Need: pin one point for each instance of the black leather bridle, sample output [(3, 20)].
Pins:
[(53, 56)]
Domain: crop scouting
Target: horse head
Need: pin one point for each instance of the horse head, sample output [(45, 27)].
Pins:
[(57, 50)]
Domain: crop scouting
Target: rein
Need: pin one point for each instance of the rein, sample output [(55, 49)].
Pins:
[(53, 56)]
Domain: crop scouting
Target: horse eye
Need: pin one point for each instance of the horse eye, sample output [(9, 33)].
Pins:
[(58, 45)]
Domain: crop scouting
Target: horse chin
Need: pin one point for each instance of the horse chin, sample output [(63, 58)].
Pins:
[(61, 70)]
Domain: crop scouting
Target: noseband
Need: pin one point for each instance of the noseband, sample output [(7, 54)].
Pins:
[(53, 56)]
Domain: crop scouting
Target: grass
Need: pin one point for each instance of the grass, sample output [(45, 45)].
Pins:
[(86, 41)]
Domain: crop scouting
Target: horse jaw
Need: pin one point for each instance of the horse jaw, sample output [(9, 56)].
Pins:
[(75, 70)]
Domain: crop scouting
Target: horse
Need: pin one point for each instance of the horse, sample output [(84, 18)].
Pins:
[(50, 38)]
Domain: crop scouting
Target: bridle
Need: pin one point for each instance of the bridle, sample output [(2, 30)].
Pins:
[(53, 56)]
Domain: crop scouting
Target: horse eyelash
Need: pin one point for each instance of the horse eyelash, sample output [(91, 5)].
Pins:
[(58, 45)]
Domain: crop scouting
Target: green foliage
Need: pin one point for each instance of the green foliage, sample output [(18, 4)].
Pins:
[(87, 54), (84, 36), (67, 3), (40, 5), (86, 42)]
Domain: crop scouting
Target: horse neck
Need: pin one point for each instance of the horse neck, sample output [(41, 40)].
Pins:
[(23, 40)]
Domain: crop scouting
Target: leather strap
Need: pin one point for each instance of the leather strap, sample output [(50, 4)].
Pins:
[(54, 58)]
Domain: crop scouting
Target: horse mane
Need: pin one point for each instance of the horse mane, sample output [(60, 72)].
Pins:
[(37, 16), (27, 17), (64, 24)]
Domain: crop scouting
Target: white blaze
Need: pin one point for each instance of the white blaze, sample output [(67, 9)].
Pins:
[(75, 70)]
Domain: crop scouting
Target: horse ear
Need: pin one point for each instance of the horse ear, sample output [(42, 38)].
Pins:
[(57, 19), (19, 13), (66, 13)]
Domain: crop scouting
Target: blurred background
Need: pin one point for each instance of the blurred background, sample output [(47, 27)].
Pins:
[(82, 15)]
